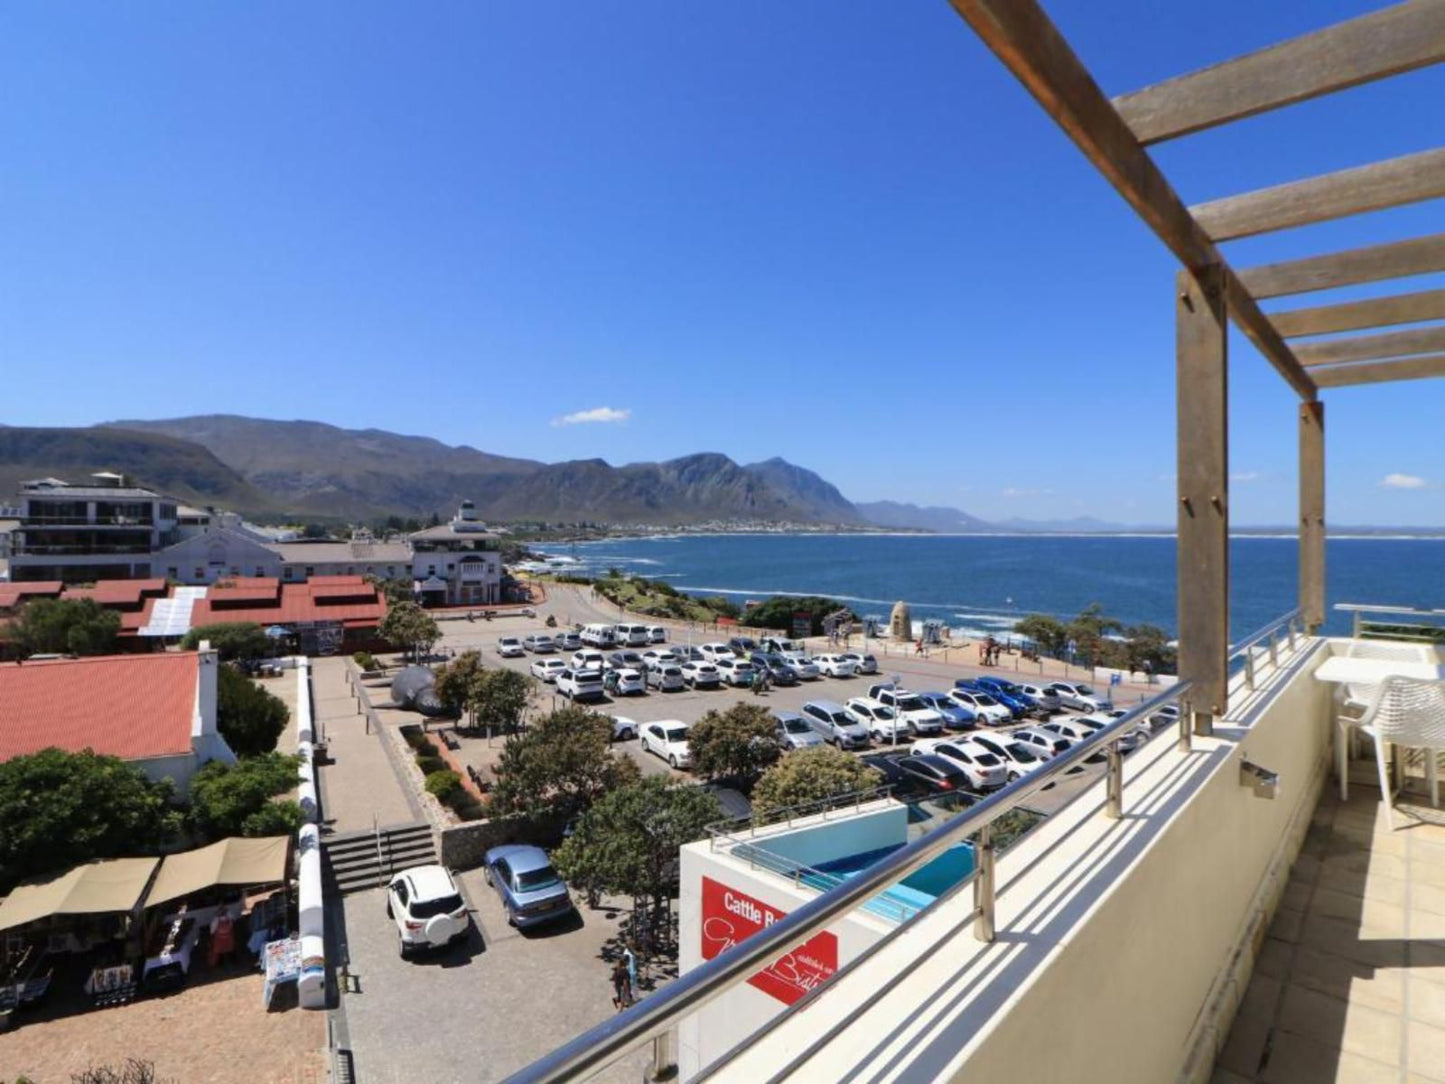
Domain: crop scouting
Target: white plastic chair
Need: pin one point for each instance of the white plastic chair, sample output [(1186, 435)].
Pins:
[(1411, 714), (1355, 700)]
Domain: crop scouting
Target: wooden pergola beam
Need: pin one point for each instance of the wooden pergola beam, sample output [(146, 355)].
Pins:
[(1374, 46), (1030, 46), (1392, 344), (1354, 315), (1374, 263), (1391, 183), (1343, 376)]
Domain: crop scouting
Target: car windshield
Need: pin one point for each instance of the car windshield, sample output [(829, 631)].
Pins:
[(677, 733), (1085, 690), (443, 905), (1022, 753), (883, 712), (911, 703), (988, 760), (984, 699), (533, 879), (797, 726)]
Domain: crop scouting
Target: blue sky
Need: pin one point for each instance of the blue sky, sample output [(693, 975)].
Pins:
[(833, 231)]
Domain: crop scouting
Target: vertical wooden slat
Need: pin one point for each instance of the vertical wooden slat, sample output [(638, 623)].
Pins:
[(1201, 345), (1312, 514)]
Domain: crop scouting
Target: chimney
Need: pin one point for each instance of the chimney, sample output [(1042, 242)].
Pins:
[(206, 664)]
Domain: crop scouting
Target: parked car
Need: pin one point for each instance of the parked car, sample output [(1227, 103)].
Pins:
[(427, 908), (882, 723), (625, 660), (835, 725), (698, 675), (1077, 695), (735, 671), (1044, 743), (656, 634), (1074, 731), (835, 666), (528, 886), (909, 707), (629, 682), (794, 731), (658, 656), (1017, 757), (776, 667), (548, 669), (804, 667), (1168, 715), (985, 708), (986, 771), (665, 677), (863, 662), (1015, 708), (623, 728), (716, 650), (783, 646), (579, 684), (1010, 694), (635, 635), (539, 644), (1043, 695), (742, 645), (509, 647), (667, 739), (690, 654), (1129, 740), (587, 659), (954, 715), (599, 635), (568, 641), (919, 774)]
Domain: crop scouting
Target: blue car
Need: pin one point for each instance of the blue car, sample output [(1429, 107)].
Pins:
[(1007, 689), (1015, 706), (955, 715), (528, 886)]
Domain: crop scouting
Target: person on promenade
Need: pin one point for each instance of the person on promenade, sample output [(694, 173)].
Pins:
[(918, 647), (621, 988), (630, 959)]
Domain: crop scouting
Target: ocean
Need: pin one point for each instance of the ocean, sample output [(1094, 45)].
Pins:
[(984, 583)]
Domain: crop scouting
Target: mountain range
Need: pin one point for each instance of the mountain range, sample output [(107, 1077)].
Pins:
[(273, 469)]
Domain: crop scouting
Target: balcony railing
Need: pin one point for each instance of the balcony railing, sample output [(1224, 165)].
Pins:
[(26, 549), (655, 1018), (1395, 622)]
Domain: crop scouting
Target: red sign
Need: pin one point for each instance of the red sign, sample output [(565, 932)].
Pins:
[(730, 916)]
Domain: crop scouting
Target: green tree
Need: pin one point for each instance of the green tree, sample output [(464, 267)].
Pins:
[(60, 809), (1048, 632), (1088, 631), (561, 764), (777, 612), (231, 639), (814, 774), (627, 843), (249, 717), (457, 684), (394, 590), (1150, 643), (226, 799), (737, 743), (65, 626), (499, 697), (410, 628)]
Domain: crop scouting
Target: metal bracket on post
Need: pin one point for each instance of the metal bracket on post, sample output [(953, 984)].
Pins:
[(664, 1064), (983, 886), (1115, 804)]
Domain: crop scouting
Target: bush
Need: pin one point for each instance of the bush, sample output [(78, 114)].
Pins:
[(224, 797), (274, 819), (443, 783), (427, 748), (815, 774), (231, 640), (250, 718), (428, 765), (366, 660), (777, 612), (413, 736)]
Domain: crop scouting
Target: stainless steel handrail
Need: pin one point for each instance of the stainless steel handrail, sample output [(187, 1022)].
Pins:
[(731, 828), (593, 1050), (1358, 626), (1269, 633)]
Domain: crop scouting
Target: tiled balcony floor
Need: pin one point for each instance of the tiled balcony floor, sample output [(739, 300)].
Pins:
[(1350, 985)]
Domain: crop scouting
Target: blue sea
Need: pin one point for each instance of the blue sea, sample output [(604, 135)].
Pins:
[(982, 584)]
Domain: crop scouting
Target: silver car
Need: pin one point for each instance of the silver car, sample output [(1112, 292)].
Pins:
[(794, 731)]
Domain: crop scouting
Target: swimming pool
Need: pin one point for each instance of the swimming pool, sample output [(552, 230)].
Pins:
[(908, 896)]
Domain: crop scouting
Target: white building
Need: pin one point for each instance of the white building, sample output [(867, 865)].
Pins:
[(457, 563)]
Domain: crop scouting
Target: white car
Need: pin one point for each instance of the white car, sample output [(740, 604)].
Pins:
[(1042, 695), (548, 669), (623, 728), (428, 910), (862, 663), (578, 684), (657, 634), (1044, 743), (1077, 695), (735, 671), (667, 739), (665, 677), (806, 668), (567, 641), (659, 656), (629, 682), (921, 719), (701, 674), (882, 723), (1017, 757), (984, 707), (835, 666), (539, 644), (985, 769), (509, 647), (716, 650), (588, 659), (1130, 740)]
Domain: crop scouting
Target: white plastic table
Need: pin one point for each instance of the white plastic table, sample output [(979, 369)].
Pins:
[(1344, 670)]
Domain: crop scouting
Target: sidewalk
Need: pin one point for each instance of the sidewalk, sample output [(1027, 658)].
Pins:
[(359, 782)]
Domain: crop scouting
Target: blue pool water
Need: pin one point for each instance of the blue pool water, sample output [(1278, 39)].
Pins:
[(909, 896)]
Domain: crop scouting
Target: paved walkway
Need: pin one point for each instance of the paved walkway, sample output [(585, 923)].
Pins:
[(359, 782)]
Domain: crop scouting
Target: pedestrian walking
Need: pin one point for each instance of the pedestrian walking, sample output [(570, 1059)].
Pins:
[(630, 958), (918, 647), (621, 991)]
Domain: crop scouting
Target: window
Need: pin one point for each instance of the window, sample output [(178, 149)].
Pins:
[(173, 573), (287, 572), (200, 573), (260, 571), (401, 892), (310, 570)]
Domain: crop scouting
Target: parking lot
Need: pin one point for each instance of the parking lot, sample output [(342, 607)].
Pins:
[(475, 1011)]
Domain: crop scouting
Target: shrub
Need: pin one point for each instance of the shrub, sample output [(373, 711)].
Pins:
[(428, 765), (366, 660), (249, 717), (412, 735), (280, 818), (230, 639), (427, 748), (443, 783)]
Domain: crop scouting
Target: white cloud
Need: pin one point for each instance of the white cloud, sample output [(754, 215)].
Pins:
[(1403, 481), (1014, 491), (1245, 476), (596, 414)]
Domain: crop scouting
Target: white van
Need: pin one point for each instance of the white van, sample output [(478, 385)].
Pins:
[(631, 635), (599, 636)]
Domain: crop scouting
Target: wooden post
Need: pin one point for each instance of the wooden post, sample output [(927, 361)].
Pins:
[(1201, 343), (1312, 514)]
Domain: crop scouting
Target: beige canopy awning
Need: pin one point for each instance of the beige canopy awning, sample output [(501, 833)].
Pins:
[(232, 861), (96, 888)]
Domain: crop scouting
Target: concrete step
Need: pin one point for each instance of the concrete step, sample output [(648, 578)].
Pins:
[(352, 858)]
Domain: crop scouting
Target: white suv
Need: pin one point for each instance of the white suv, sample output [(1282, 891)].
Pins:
[(428, 910)]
